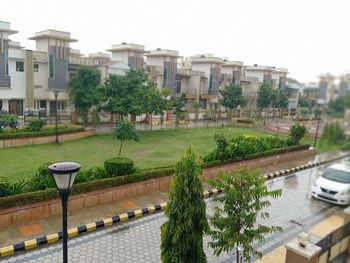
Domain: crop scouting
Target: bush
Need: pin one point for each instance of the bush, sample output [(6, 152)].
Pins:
[(90, 174), (35, 125), (4, 187), (42, 178), (333, 133), (296, 133), (118, 166)]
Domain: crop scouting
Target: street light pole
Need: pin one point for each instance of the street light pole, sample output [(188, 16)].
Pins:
[(56, 116), (316, 133), (63, 174)]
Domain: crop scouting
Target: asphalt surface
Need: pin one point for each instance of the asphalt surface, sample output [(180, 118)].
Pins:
[(138, 240)]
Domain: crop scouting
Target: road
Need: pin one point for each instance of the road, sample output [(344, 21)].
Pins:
[(138, 240)]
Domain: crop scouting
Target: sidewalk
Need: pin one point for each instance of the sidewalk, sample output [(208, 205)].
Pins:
[(34, 229)]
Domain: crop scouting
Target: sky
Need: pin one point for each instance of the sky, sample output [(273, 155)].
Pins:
[(308, 37)]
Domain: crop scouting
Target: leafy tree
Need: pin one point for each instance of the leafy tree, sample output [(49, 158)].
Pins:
[(333, 133), (282, 101), (125, 94), (304, 102), (317, 113), (304, 111), (85, 91), (156, 101), (232, 97), (265, 96), (297, 132), (340, 104), (196, 106), (178, 105), (182, 234), (235, 223), (125, 131)]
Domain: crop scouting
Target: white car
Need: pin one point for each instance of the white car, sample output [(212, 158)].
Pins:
[(333, 185)]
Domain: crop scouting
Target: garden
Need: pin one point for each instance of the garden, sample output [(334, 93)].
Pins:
[(230, 147)]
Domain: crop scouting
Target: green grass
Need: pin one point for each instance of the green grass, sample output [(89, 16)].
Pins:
[(157, 148)]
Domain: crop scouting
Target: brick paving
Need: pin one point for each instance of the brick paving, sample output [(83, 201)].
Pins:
[(138, 240)]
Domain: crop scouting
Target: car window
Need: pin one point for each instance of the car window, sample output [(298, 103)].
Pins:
[(337, 175)]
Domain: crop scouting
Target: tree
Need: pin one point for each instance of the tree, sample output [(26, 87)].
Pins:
[(297, 132), (156, 101), (340, 104), (85, 91), (196, 106), (235, 223), (125, 94), (282, 101), (125, 131), (265, 96), (178, 106), (182, 234), (304, 102), (232, 97)]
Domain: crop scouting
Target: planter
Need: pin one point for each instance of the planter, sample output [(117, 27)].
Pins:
[(40, 210), (16, 142)]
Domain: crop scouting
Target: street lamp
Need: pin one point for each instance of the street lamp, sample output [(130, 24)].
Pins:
[(56, 114), (63, 174), (316, 133)]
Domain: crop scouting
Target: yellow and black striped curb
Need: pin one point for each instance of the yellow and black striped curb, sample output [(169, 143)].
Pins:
[(302, 167), (74, 232)]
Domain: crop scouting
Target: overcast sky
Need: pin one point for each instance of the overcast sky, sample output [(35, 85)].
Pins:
[(309, 37)]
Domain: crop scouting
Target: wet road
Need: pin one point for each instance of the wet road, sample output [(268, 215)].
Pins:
[(138, 240)]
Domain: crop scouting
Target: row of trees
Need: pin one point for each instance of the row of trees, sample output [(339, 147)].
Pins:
[(232, 97), (132, 93), (135, 94), (234, 225)]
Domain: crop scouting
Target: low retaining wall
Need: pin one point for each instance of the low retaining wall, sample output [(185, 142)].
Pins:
[(285, 130), (40, 210), (7, 143)]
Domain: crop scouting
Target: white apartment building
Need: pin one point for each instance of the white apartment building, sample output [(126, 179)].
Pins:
[(29, 79)]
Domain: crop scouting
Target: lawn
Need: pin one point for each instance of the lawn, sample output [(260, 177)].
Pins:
[(157, 148)]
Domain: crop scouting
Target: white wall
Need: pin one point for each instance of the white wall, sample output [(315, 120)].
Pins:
[(255, 73), (120, 56), (155, 61)]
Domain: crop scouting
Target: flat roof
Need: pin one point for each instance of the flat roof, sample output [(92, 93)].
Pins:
[(51, 33), (5, 27), (127, 47), (163, 53)]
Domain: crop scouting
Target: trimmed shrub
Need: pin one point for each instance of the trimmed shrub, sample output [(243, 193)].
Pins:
[(118, 166), (248, 121), (297, 132), (4, 187), (35, 125), (90, 174)]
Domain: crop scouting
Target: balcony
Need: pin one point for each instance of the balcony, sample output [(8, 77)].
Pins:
[(190, 93), (189, 72)]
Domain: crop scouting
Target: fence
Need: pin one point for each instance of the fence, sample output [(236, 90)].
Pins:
[(335, 246)]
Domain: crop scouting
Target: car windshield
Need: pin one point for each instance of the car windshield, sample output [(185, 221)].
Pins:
[(337, 175)]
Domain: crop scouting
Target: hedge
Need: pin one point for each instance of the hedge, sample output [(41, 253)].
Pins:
[(48, 194), (245, 121), (118, 166), (43, 133), (259, 155)]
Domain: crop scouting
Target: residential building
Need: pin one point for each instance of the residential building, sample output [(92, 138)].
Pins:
[(276, 77), (250, 87), (162, 67), (312, 92), (232, 72), (128, 53), (344, 85), (327, 88)]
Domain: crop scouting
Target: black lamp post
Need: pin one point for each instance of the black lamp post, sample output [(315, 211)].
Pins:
[(316, 133), (63, 174), (56, 114)]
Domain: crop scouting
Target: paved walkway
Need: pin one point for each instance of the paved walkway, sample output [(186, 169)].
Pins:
[(138, 240), (34, 229)]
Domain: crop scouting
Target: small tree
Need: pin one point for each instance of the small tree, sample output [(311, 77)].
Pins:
[(182, 234), (232, 97), (196, 106), (265, 96), (178, 105), (235, 225), (297, 132), (125, 131), (85, 91)]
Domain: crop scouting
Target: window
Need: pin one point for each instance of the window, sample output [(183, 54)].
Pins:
[(211, 82), (36, 67), (178, 86), (19, 66), (0, 105), (6, 63), (16, 107), (165, 77), (51, 66)]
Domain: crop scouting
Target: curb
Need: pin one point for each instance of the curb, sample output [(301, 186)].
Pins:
[(76, 231), (284, 172)]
